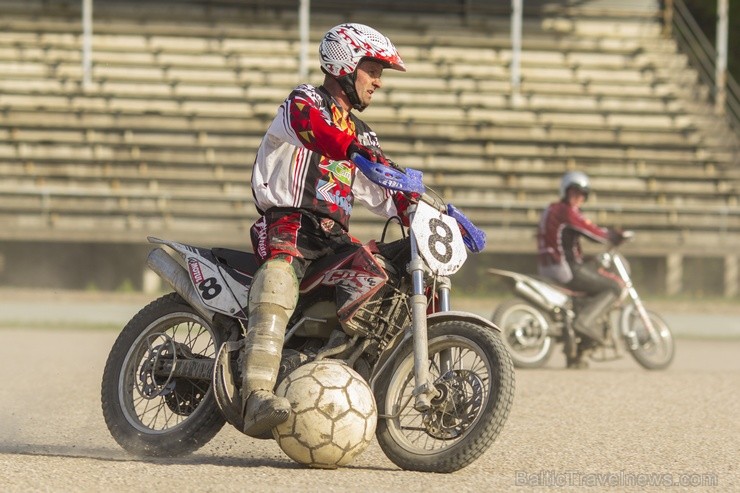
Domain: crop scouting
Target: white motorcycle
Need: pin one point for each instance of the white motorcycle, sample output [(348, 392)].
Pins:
[(542, 315)]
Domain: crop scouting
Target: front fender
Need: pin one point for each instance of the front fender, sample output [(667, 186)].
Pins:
[(394, 347), (465, 316)]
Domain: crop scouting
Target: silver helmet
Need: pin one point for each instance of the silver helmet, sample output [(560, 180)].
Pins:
[(574, 179)]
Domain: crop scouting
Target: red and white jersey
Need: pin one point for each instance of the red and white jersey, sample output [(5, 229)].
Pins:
[(558, 239), (301, 162)]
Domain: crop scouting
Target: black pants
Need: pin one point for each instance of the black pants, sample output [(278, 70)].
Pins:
[(591, 279)]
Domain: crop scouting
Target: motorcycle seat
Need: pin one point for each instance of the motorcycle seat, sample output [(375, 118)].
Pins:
[(242, 261), (560, 287)]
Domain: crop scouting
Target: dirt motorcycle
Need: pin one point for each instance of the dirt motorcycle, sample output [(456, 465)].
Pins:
[(542, 315), (442, 379)]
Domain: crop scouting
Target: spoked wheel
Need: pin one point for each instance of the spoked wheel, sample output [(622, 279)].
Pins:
[(474, 378), (652, 349), (525, 331), (156, 392)]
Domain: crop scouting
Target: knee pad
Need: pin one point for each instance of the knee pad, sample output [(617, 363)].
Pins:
[(275, 283)]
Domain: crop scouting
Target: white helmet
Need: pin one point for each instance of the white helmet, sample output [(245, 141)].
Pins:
[(574, 179), (345, 45)]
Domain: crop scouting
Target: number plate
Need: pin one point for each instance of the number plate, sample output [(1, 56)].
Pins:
[(439, 240), (218, 290)]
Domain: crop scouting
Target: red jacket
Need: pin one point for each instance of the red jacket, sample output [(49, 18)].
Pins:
[(559, 232)]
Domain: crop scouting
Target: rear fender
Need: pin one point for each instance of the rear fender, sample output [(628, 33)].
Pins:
[(219, 287)]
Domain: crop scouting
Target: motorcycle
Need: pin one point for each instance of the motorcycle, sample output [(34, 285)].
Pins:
[(542, 316), (442, 379)]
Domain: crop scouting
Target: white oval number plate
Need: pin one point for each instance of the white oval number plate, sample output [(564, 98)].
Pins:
[(439, 240)]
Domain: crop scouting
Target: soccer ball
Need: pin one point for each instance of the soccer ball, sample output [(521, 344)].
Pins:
[(334, 415)]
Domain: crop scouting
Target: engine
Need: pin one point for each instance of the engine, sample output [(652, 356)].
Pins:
[(382, 316)]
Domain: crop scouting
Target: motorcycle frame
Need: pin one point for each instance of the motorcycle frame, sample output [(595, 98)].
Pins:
[(424, 390)]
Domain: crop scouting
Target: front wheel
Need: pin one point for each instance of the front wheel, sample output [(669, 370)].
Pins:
[(526, 332), (653, 350), (149, 410), (472, 372)]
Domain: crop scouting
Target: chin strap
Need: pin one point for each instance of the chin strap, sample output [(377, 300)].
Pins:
[(347, 83)]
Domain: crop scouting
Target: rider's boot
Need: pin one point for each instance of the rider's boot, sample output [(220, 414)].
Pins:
[(272, 299), (585, 324), (584, 348)]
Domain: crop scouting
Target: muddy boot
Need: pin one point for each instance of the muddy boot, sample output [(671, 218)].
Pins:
[(585, 324), (272, 299), (264, 411)]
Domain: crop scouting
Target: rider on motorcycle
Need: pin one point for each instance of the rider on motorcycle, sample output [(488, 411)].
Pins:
[(304, 186), (560, 257)]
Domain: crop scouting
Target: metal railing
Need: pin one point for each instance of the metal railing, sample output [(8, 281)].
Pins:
[(702, 56)]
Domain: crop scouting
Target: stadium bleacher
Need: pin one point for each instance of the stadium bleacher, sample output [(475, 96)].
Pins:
[(163, 141)]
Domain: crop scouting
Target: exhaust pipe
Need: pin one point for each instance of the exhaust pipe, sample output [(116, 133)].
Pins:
[(168, 269)]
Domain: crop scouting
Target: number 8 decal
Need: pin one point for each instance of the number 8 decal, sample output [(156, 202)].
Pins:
[(438, 239), (436, 226), (209, 288)]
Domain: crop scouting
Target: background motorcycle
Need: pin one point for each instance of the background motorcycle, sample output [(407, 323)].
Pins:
[(543, 313), (443, 380)]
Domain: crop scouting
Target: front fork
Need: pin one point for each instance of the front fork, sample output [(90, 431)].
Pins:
[(622, 270), (424, 390)]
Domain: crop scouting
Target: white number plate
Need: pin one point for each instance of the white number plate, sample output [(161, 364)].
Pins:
[(439, 240)]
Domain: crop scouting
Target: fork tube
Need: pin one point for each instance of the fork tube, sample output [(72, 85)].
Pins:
[(443, 291), (423, 390), (633, 294), (444, 294)]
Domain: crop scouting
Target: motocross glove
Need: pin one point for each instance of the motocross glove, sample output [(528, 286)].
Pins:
[(615, 236), (374, 155), (357, 148)]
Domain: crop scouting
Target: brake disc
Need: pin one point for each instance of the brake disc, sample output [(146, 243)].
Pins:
[(457, 405)]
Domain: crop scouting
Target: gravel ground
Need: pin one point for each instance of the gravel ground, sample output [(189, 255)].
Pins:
[(613, 427)]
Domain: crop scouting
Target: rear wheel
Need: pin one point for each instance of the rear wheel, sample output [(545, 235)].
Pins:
[(472, 372), (526, 332), (148, 410)]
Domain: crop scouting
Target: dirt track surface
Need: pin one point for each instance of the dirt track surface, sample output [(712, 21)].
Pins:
[(604, 428)]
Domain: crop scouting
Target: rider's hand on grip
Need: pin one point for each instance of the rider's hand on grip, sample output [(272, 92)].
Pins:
[(357, 148), (374, 155), (616, 236)]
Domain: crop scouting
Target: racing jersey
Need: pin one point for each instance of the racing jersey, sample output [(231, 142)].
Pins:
[(302, 161), (558, 240)]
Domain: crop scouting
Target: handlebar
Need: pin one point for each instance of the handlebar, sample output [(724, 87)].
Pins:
[(410, 181)]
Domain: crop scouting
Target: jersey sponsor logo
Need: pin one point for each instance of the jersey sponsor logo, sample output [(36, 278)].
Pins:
[(339, 170), (368, 139), (329, 192)]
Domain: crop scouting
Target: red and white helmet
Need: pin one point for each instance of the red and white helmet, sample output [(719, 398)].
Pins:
[(345, 45)]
